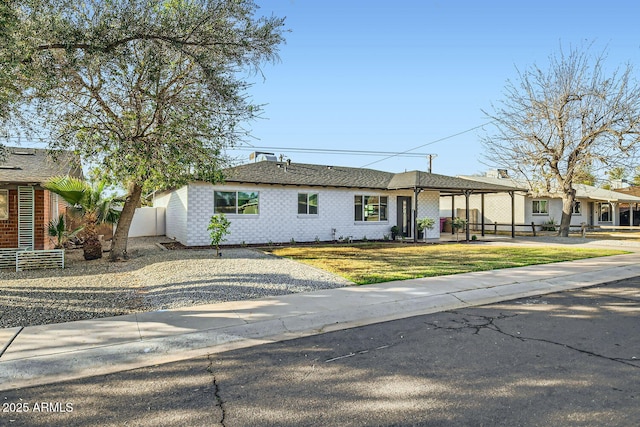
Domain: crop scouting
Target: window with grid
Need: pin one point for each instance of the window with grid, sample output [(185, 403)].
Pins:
[(307, 204)]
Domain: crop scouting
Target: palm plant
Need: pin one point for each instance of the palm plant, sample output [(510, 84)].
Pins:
[(88, 201), (58, 228)]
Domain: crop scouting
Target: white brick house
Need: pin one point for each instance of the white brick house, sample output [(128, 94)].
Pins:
[(276, 202)]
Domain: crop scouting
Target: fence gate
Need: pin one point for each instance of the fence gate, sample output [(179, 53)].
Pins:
[(25, 217)]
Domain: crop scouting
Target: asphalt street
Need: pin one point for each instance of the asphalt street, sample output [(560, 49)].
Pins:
[(563, 359)]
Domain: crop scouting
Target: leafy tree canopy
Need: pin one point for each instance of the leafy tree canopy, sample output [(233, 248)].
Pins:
[(152, 91)]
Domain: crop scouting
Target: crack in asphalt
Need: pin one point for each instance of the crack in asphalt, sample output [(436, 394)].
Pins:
[(382, 347), (486, 322), (627, 299), (216, 393), (480, 322)]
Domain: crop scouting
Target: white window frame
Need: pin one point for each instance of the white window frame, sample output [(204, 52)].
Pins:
[(6, 202), (54, 210), (576, 209), (546, 205), (308, 204), (600, 205)]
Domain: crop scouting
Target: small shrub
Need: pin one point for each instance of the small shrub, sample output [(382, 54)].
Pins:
[(549, 225), (426, 224), (457, 224), (58, 229), (218, 228)]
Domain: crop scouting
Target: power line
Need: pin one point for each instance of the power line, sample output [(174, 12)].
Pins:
[(429, 143), (333, 151)]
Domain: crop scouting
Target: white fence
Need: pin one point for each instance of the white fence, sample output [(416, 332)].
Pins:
[(148, 221), (21, 259), (8, 257)]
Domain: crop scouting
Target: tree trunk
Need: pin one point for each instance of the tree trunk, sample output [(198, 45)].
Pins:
[(567, 208), (119, 242), (92, 248)]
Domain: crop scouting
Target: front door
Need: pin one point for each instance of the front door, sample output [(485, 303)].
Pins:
[(404, 215)]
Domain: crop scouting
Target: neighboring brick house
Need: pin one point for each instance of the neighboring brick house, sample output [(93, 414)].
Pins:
[(593, 206), (25, 207), (269, 201)]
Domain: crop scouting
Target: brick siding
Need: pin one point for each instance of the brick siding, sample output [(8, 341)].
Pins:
[(9, 227)]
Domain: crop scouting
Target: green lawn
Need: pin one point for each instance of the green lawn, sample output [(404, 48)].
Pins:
[(379, 262)]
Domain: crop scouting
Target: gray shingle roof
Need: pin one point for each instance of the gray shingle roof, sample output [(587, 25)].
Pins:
[(443, 183), (268, 172), (35, 166), (583, 191)]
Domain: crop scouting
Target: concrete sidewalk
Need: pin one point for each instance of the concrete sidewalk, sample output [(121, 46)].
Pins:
[(51, 353)]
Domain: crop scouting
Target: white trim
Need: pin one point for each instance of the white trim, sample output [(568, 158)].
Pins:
[(6, 210), (26, 219)]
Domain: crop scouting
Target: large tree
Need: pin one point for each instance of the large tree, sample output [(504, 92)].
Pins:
[(556, 123), (9, 65), (150, 90)]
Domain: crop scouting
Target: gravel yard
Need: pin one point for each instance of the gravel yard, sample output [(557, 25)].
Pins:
[(153, 279)]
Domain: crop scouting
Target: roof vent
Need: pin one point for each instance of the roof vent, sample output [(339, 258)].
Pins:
[(259, 156), (498, 173), (23, 152)]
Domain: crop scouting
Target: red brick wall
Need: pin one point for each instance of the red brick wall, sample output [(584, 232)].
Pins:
[(42, 212), (9, 227)]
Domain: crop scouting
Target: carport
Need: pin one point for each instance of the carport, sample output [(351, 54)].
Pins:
[(451, 186)]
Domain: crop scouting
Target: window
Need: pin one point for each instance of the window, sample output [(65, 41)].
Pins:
[(307, 204), (605, 212), (370, 208), (577, 208), (53, 205), (236, 202), (540, 207), (4, 204)]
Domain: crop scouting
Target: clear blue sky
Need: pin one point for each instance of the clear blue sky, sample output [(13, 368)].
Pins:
[(391, 76)]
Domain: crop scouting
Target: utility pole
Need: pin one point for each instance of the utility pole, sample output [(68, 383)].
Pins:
[(431, 157)]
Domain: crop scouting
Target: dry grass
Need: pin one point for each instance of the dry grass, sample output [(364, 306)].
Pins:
[(379, 262)]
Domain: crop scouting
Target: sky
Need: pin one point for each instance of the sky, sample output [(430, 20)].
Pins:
[(394, 76)]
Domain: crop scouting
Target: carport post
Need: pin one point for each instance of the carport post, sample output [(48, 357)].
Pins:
[(453, 210), (513, 214), (467, 193), (482, 214), (415, 215)]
